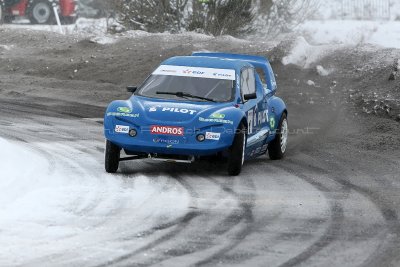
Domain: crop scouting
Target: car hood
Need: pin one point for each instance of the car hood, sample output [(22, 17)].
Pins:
[(174, 111)]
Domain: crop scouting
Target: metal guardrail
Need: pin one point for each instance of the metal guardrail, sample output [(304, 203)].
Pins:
[(366, 9)]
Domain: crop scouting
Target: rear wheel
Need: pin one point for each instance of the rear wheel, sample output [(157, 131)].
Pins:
[(277, 148), (112, 155), (41, 12), (236, 152)]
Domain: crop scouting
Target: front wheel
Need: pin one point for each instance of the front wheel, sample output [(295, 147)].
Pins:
[(236, 152), (277, 148), (112, 155)]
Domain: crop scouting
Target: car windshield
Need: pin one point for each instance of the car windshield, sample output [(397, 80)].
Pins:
[(188, 87)]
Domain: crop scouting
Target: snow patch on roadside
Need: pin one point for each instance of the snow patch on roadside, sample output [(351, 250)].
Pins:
[(103, 40), (352, 32), (322, 71), (6, 47), (304, 55)]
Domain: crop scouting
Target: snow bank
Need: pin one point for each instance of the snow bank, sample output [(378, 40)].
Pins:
[(303, 54), (352, 32), (319, 38), (94, 27)]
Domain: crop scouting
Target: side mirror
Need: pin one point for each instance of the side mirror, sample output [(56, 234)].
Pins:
[(250, 96), (131, 89)]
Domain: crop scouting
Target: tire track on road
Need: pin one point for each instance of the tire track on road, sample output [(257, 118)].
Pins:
[(385, 252), (179, 224), (336, 216)]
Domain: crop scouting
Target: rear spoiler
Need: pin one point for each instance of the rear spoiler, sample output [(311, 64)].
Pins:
[(256, 61), (248, 58)]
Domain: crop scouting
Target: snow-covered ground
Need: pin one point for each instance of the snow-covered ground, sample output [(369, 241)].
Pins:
[(318, 38), (50, 204), (83, 26), (352, 32)]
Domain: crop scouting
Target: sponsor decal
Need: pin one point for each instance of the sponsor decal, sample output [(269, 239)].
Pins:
[(213, 136), (124, 110), (176, 110), (167, 130), (217, 116), (216, 120), (165, 141), (256, 118), (121, 129), (119, 114), (169, 71), (179, 110), (272, 122), (222, 75), (184, 71)]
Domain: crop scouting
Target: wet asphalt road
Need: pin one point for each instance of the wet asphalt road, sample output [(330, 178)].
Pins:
[(330, 202)]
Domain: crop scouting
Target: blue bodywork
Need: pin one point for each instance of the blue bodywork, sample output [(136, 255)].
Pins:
[(260, 116)]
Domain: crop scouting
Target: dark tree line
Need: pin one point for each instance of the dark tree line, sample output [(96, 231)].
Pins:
[(216, 17)]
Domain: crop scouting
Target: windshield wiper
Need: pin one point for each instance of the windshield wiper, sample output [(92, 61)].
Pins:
[(182, 94)]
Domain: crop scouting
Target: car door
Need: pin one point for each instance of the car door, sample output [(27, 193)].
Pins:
[(253, 109), (264, 107)]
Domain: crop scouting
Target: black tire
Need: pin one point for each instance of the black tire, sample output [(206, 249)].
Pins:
[(41, 12), (276, 150), (112, 155), (236, 152)]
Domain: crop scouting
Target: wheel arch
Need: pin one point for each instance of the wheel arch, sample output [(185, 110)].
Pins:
[(278, 106)]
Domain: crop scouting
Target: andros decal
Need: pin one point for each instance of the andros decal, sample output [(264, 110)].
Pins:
[(167, 130)]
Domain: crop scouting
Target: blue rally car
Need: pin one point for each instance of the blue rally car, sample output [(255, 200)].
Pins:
[(201, 105)]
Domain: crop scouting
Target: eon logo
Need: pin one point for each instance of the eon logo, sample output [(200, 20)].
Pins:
[(121, 129), (187, 71), (213, 136), (167, 130), (180, 110)]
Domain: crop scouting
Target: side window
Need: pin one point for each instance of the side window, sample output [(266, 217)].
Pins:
[(262, 76), (248, 82)]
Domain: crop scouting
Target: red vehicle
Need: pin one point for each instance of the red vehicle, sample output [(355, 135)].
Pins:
[(38, 11)]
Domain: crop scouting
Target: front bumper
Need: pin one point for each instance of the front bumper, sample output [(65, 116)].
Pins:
[(160, 144)]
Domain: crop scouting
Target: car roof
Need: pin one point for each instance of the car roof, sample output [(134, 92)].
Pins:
[(207, 62)]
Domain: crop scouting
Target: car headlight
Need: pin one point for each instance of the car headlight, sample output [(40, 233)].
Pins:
[(132, 133), (201, 137)]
